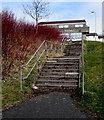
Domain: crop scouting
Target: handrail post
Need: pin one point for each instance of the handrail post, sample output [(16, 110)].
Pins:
[(56, 47), (62, 46), (46, 44), (82, 64), (79, 75), (21, 78), (46, 47), (37, 61), (51, 46)]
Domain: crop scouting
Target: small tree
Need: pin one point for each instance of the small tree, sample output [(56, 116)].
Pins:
[(37, 10)]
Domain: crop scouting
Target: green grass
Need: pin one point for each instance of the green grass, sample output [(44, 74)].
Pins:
[(11, 93), (94, 82)]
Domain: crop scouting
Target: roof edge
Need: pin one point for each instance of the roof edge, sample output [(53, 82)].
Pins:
[(65, 21)]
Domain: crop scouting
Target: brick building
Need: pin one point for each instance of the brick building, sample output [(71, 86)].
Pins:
[(71, 28)]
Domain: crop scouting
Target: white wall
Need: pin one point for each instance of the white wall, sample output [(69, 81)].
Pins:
[(92, 38)]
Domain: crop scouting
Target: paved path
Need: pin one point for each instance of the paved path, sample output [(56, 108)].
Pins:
[(52, 105)]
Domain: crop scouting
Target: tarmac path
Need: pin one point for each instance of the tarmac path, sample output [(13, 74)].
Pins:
[(52, 105)]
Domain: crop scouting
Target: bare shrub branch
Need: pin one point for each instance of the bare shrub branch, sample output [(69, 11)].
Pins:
[(37, 10)]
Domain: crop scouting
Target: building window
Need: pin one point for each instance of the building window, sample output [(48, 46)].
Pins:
[(78, 25), (61, 26), (66, 26)]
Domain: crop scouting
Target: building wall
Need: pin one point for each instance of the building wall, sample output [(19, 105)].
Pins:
[(70, 30)]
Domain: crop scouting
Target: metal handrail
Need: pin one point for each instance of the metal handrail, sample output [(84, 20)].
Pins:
[(34, 54), (36, 63), (82, 64)]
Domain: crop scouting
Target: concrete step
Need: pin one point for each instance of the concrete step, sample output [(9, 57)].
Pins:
[(73, 47), (59, 73), (65, 61), (67, 46), (60, 83), (73, 44), (70, 54), (65, 58), (69, 51), (57, 81), (60, 70), (74, 54), (61, 64), (61, 67), (56, 85), (57, 77)]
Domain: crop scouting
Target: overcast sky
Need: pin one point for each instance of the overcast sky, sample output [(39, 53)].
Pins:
[(62, 10)]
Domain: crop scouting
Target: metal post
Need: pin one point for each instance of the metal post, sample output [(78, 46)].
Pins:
[(37, 61), (79, 74), (21, 78), (95, 23), (60, 47), (82, 64), (46, 47), (51, 46), (56, 47), (95, 26)]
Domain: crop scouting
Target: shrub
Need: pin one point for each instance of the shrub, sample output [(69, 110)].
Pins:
[(49, 33), (20, 40)]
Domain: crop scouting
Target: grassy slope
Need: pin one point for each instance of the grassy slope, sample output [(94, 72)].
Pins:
[(94, 82), (11, 94)]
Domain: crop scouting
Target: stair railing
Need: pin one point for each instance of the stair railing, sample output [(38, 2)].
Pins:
[(82, 65), (47, 46), (83, 69)]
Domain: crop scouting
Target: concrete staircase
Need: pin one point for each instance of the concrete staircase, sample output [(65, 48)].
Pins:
[(73, 49), (62, 72)]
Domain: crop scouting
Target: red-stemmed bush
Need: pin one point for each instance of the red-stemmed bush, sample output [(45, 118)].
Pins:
[(19, 39), (49, 33)]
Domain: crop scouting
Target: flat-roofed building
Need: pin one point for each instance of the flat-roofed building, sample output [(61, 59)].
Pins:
[(71, 28)]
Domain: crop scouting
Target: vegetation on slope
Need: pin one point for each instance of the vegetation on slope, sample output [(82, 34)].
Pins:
[(94, 82), (19, 41)]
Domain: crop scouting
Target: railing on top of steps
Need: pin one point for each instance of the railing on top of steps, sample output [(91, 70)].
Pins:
[(52, 47), (48, 45), (81, 64), (83, 69)]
